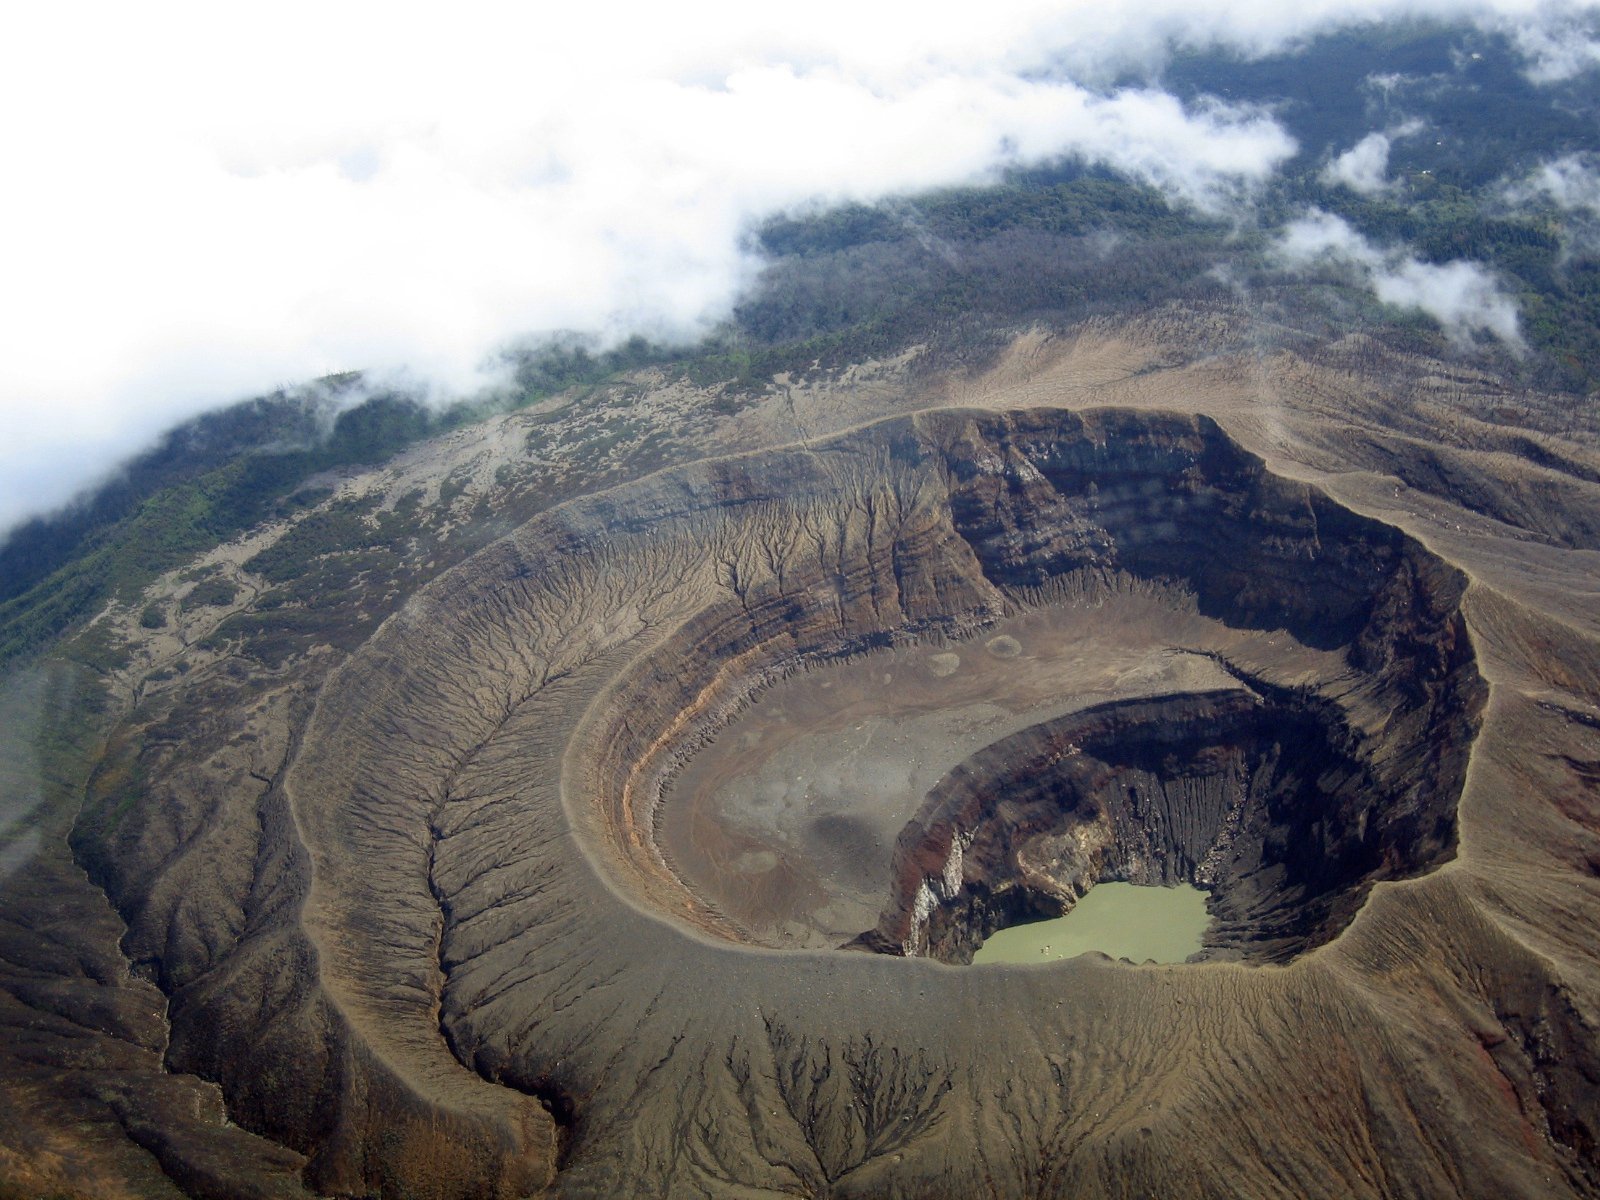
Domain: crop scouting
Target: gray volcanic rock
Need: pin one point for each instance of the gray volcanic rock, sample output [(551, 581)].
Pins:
[(414, 918)]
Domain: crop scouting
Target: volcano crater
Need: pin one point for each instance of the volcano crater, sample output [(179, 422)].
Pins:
[(957, 670)]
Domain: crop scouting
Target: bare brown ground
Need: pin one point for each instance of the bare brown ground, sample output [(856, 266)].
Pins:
[(397, 927)]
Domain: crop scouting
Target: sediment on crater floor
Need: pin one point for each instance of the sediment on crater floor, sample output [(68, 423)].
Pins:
[(1287, 794)]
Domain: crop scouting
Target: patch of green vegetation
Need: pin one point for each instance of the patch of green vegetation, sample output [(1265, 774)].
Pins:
[(211, 593), (554, 365), (344, 528), (453, 486), (225, 472), (98, 649), (111, 793), (153, 617), (65, 722), (952, 269), (1553, 280), (273, 637)]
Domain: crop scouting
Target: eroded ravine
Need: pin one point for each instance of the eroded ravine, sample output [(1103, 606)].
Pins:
[(485, 797)]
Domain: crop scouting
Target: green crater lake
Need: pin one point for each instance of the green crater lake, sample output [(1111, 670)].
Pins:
[(1117, 919)]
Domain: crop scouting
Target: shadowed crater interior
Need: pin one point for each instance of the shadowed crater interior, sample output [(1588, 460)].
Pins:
[(959, 669)]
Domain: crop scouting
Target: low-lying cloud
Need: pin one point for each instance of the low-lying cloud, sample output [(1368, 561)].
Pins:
[(1557, 46), (1571, 182), (207, 201), (1462, 296), (1364, 167)]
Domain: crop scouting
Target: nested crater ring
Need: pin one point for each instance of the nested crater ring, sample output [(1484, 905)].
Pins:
[(1117, 647)]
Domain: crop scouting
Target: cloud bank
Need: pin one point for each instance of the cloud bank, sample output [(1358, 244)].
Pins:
[(1559, 45), (211, 200), (1461, 295)]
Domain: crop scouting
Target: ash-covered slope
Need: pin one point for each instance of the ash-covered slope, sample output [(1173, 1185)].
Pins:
[(417, 924)]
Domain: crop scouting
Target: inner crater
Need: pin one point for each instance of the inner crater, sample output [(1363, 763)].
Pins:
[(1116, 649)]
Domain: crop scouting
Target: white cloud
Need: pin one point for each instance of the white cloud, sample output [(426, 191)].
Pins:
[(205, 201), (1561, 45), (1365, 166), (1462, 296), (221, 202), (1386, 84), (1571, 182)]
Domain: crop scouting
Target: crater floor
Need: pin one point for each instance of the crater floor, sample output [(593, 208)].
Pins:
[(786, 823)]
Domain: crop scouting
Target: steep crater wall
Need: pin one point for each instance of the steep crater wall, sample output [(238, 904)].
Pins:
[(1264, 797)]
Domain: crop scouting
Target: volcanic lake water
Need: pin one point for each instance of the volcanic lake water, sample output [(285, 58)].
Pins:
[(1117, 919)]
